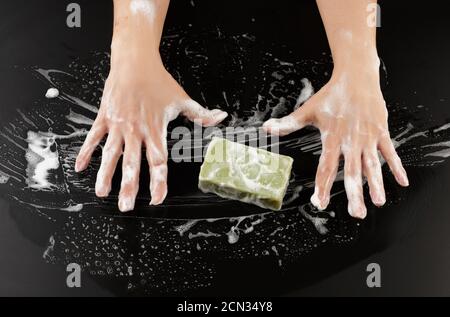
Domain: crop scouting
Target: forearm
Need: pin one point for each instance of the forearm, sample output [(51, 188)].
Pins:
[(138, 26), (352, 39)]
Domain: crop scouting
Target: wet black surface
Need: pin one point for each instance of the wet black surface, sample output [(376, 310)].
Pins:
[(239, 249)]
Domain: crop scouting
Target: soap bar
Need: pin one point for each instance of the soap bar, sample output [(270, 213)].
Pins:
[(236, 171)]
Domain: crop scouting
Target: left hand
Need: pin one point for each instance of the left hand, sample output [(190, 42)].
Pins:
[(351, 114)]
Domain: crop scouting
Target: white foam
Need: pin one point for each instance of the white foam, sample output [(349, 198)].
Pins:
[(145, 7), (337, 96), (40, 160), (443, 153), (79, 118), (318, 222), (52, 93), (282, 126), (73, 208), (4, 178), (316, 201), (353, 187), (129, 174), (306, 93), (442, 128)]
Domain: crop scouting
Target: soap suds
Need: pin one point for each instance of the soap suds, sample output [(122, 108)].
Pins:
[(4, 178), (42, 159), (52, 93), (282, 126), (306, 93), (442, 153), (145, 7), (442, 128)]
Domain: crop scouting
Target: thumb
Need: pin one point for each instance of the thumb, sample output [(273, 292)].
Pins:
[(295, 121), (195, 112)]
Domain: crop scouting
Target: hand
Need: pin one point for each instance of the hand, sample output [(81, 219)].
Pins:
[(351, 115), (139, 99)]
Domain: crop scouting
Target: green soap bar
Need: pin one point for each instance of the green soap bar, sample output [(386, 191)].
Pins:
[(236, 171)]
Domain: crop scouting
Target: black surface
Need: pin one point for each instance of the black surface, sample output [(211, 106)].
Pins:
[(407, 237)]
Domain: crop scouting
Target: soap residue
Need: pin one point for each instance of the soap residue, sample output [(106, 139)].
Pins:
[(4, 178), (42, 159), (52, 93), (145, 7)]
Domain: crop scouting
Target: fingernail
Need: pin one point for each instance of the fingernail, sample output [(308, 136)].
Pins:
[(102, 191), (379, 199), (157, 199), (218, 112), (404, 178), (126, 204), (363, 212), (219, 115), (357, 210), (318, 203), (79, 166)]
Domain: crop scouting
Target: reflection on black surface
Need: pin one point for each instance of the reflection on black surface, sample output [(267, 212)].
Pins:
[(195, 242)]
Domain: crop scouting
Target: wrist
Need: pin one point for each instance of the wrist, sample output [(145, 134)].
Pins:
[(355, 51), (133, 43), (357, 73), (130, 56), (364, 66), (361, 60)]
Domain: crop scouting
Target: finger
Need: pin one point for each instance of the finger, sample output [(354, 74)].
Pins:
[(156, 152), (93, 139), (395, 164), (198, 114), (130, 173), (110, 156), (372, 170), (290, 123), (326, 172), (353, 184)]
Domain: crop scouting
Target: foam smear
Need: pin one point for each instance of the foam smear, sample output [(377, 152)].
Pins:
[(4, 178), (445, 152), (42, 159)]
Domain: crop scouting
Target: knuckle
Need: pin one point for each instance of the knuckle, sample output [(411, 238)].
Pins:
[(158, 162), (352, 167), (129, 178), (111, 150), (327, 169), (372, 162), (156, 155)]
